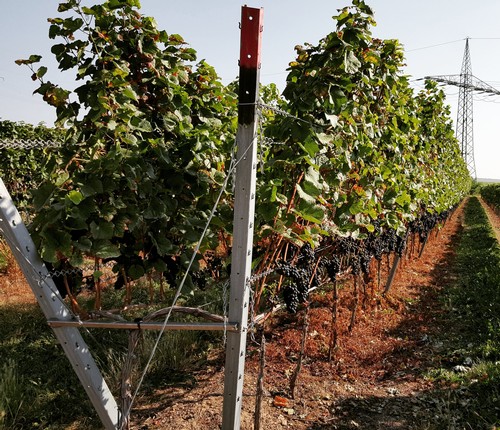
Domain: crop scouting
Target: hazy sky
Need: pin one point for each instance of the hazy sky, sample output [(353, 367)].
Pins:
[(212, 29)]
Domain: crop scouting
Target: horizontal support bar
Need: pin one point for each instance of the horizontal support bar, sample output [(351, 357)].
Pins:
[(130, 325)]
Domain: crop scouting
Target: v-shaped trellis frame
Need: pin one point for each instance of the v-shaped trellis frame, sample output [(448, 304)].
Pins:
[(42, 285)]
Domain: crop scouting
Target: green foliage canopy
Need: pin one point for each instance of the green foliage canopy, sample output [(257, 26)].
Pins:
[(22, 156), (147, 134), (359, 146)]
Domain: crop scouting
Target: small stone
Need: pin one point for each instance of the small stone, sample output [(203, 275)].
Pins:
[(468, 361), (393, 391), (283, 421)]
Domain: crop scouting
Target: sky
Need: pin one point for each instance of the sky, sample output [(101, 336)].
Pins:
[(433, 33)]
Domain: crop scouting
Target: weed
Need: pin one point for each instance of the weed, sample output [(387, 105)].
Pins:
[(4, 256), (473, 372), (11, 395)]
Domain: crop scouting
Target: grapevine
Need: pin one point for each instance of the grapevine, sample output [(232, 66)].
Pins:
[(366, 164), (144, 152)]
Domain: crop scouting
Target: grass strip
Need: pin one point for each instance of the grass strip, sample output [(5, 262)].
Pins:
[(478, 269), (474, 401)]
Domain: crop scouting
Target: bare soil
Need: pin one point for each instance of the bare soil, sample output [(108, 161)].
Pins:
[(494, 218), (376, 378), (13, 287)]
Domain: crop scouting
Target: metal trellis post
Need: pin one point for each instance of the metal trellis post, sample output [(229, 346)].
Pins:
[(42, 285), (244, 209)]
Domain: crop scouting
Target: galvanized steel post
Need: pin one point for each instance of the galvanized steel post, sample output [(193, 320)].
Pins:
[(244, 209)]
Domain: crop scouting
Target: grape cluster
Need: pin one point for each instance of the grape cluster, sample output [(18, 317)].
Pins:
[(427, 222), (349, 252), (286, 269), (291, 298), (375, 246), (306, 255), (347, 245), (355, 264), (332, 266), (296, 291), (357, 254), (365, 259), (390, 240), (215, 269), (199, 278), (400, 245)]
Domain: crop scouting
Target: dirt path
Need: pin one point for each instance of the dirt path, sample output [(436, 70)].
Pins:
[(493, 217), (376, 379), (13, 287)]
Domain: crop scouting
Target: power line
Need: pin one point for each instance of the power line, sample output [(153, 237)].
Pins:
[(467, 84), (452, 41), (435, 46)]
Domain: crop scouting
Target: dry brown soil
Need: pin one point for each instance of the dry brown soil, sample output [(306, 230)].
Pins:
[(375, 380), (494, 218)]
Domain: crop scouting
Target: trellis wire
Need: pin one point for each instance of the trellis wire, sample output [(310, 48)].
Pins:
[(231, 169), (281, 112), (271, 142), (28, 144), (36, 144), (78, 270), (43, 279)]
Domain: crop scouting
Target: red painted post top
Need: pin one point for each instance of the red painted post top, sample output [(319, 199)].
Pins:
[(251, 29), (250, 44)]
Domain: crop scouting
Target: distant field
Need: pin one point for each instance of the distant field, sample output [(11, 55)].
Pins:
[(488, 180)]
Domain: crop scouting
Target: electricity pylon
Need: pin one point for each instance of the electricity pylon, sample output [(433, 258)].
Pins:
[(467, 84)]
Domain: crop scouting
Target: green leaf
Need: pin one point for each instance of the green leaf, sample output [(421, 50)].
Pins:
[(61, 178), (356, 207), (312, 213), (102, 230), (370, 228), (84, 244), (130, 93), (313, 184), (351, 63), (155, 209), (135, 271), (75, 196), (32, 59), (55, 243), (41, 72), (305, 196), (162, 244), (63, 7), (311, 147), (41, 195), (92, 186), (140, 124), (403, 199), (334, 119), (88, 10), (105, 249)]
